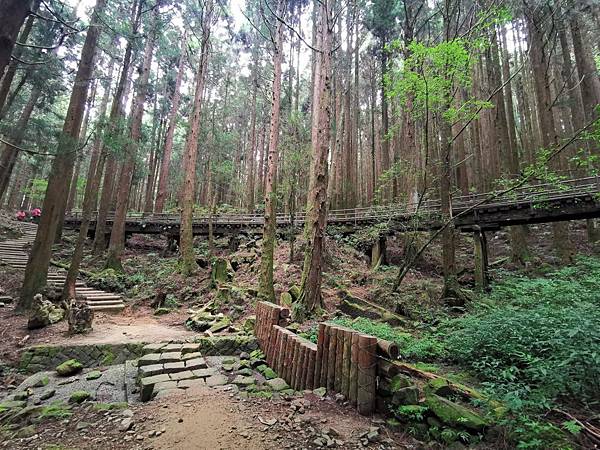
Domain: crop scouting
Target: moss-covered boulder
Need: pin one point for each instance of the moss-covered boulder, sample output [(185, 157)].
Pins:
[(93, 375), (453, 414), (400, 382), (294, 292), (79, 396), (69, 367), (406, 396), (220, 324), (222, 272)]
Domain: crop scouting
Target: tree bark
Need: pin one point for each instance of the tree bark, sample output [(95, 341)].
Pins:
[(316, 205), (12, 16), (117, 236), (188, 258), (11, 153), (11, 70), (540, 63), (56, 194), (161, 194), (266, 288), (115, 124)]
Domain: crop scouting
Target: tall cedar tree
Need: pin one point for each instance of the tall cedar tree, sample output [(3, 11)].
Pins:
[(316, 205), (117, 235), (58, 181), (188, 258), (266, 288)]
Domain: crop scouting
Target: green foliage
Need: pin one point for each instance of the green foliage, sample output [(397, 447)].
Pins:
[(410, 412), (411, 347), (55, 410), (535, 340), (110, 280)]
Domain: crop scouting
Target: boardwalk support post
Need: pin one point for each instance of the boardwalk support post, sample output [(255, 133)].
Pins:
[(378, 253), (481, 259)]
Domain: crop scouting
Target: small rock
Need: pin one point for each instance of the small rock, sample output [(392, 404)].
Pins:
[(93, 375), (79, 397), (69, 367), (244, 355), (82, 425), (47, 394), (127, 413), (126, 424)]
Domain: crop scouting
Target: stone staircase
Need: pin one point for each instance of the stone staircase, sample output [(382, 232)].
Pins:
[(13, 254), (171, 368)]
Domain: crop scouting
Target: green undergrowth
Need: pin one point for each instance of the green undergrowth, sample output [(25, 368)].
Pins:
[(421, 348)]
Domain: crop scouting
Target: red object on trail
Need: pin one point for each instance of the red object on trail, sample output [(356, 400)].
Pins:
[(21, 215), (36, 212)]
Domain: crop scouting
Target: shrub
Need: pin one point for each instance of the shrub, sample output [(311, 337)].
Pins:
[(535, 340)]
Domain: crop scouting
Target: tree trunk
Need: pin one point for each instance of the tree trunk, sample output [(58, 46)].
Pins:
[(188, 258), (56, 193), (161, 194), (316, 205), (266, 288), (540, 63), (117, 235), (10, 153), (12, 16), (115, 128), (11, 70)]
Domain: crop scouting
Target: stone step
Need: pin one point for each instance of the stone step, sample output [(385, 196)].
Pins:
[(108, 308), (104, 302), (91, 298)]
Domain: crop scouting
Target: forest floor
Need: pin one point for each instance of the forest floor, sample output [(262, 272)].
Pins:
[(210, 419), (152, 271)]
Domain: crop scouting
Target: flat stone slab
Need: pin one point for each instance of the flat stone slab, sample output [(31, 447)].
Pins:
[(165, 385), (189, 348), (192, 355), (147, 385), (152, 348), (205, 373), (150, 370), (170, 357), (216, 380), (196, 363), (171, 348), (241, 380), (186, 374), (172, 367), (151, 358)]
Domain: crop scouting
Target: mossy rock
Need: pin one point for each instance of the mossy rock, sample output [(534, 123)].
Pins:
[(439, 386), (400, 382), (285, 299), (93, 375), (222, 272), (12, 405), (162, 311), (79, 396), (294, 291), (69, 367), (249, 324), (220, 325), (453, 414), (406, 396), (110, 406)]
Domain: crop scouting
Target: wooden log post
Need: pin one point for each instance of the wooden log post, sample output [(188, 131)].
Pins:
[(481, 259), (331, 358), (367, 372), (325, 358), (283, 358), (346, 358), (294, 362), (301, 375), (387, 349), (316, 383), (353, 384), (310, 367), (339, 360)]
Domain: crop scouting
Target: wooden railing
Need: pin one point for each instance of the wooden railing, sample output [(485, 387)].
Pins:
[(529, 194)]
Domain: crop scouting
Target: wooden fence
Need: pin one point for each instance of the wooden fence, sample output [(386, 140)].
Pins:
[(343, 360)]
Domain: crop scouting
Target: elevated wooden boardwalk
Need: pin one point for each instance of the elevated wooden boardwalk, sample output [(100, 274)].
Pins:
[(542, 203)]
